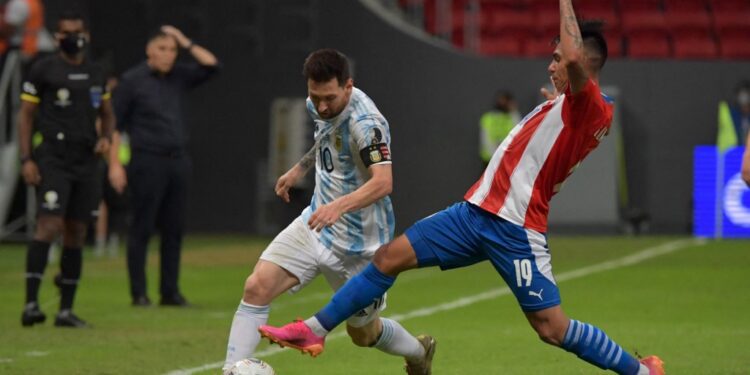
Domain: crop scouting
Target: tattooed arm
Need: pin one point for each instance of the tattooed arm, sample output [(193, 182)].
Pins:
[(289, 179), (571, 47)]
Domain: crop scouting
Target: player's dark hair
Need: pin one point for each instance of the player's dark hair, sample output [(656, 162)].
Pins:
[(70, 15), (326, 64), (593, 42), (157, 34)]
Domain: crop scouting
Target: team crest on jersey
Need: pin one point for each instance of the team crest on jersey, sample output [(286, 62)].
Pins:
[(96, 96), (63, 98), (29, 88), (50, 200), (375, 156)]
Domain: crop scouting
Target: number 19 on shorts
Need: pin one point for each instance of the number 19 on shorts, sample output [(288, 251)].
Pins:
[(523, 272)]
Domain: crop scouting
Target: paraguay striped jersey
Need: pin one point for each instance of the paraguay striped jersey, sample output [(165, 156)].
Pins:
[(348, 145), (532, 163)]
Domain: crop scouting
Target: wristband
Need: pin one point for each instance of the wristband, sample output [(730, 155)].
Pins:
[(24, 159)]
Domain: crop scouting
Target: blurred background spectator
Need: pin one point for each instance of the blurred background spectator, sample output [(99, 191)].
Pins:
[(149, 107), (496, 123)]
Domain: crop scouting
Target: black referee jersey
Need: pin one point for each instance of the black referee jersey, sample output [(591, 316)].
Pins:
[(69, 97)]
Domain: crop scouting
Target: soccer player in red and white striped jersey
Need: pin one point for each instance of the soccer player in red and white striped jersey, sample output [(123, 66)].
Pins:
[(503, 218), (531, 165)]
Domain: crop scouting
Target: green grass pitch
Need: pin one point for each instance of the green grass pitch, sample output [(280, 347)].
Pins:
[(691, 306)]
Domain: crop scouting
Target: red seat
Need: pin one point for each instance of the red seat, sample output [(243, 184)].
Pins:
[(735, 48), (538, 47), (649, 45), (640, 5), (737, 22), (638, 21), (500, 46), (730, 5), (686, 5), (735, 34), (498, 5), (547, 24), (610, 18), (595, 5), (511, 23), (685, 22), (695, 48), (614, 45), (545, 6)]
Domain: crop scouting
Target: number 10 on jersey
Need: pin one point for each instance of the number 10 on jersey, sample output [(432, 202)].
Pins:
[(326, 160)]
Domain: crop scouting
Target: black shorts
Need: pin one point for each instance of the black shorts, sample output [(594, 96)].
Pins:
[(72, 196)]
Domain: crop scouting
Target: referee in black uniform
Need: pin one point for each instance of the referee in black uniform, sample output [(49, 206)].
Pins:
[(70, 93), (149, 106)]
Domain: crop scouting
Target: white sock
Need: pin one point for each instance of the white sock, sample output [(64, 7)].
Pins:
[(244, 336), (316, 327), (643, 370), (396, 340)]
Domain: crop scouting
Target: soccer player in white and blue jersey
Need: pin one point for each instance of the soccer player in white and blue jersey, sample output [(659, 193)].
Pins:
[(349, 218)]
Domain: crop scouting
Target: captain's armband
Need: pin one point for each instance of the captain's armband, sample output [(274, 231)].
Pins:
[(375, 154)]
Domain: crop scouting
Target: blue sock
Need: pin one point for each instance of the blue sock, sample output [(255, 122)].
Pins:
[(593, 346), (359, 292)]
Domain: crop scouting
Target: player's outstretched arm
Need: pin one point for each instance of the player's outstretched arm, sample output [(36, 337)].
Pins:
[(378, 186), (571, 47)]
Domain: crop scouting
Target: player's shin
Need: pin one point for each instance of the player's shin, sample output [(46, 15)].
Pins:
[(244, 336), (593, 346), (358, 293), (396, 340)]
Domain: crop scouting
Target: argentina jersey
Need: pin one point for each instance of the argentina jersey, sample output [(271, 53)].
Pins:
[(348, 145)]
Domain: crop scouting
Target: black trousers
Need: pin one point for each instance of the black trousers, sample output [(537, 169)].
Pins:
[(158, 187)]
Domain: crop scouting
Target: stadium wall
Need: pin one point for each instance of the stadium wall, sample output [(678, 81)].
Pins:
[(431, 94)]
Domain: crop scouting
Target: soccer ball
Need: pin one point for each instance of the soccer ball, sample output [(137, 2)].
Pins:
[(252, 366)]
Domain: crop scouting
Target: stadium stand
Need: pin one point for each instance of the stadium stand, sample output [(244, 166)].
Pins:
[(678, 29), (649, 44)]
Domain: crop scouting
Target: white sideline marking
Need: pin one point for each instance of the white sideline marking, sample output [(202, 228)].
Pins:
[(6, 360), (629, 260), (35, 353)]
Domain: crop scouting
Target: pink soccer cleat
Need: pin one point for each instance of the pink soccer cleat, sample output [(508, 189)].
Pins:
[(295, 335), (654, 364)]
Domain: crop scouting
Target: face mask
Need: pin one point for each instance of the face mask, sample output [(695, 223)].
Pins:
[(73, 44)]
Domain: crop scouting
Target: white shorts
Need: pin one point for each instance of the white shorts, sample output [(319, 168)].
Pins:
[(297, 250)]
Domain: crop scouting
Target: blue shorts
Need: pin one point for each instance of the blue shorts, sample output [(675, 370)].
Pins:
[(464, 234)]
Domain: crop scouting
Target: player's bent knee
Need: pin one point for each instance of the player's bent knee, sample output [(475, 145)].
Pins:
[(388, 261), (48, 229), (255, 293), (362, 336)]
